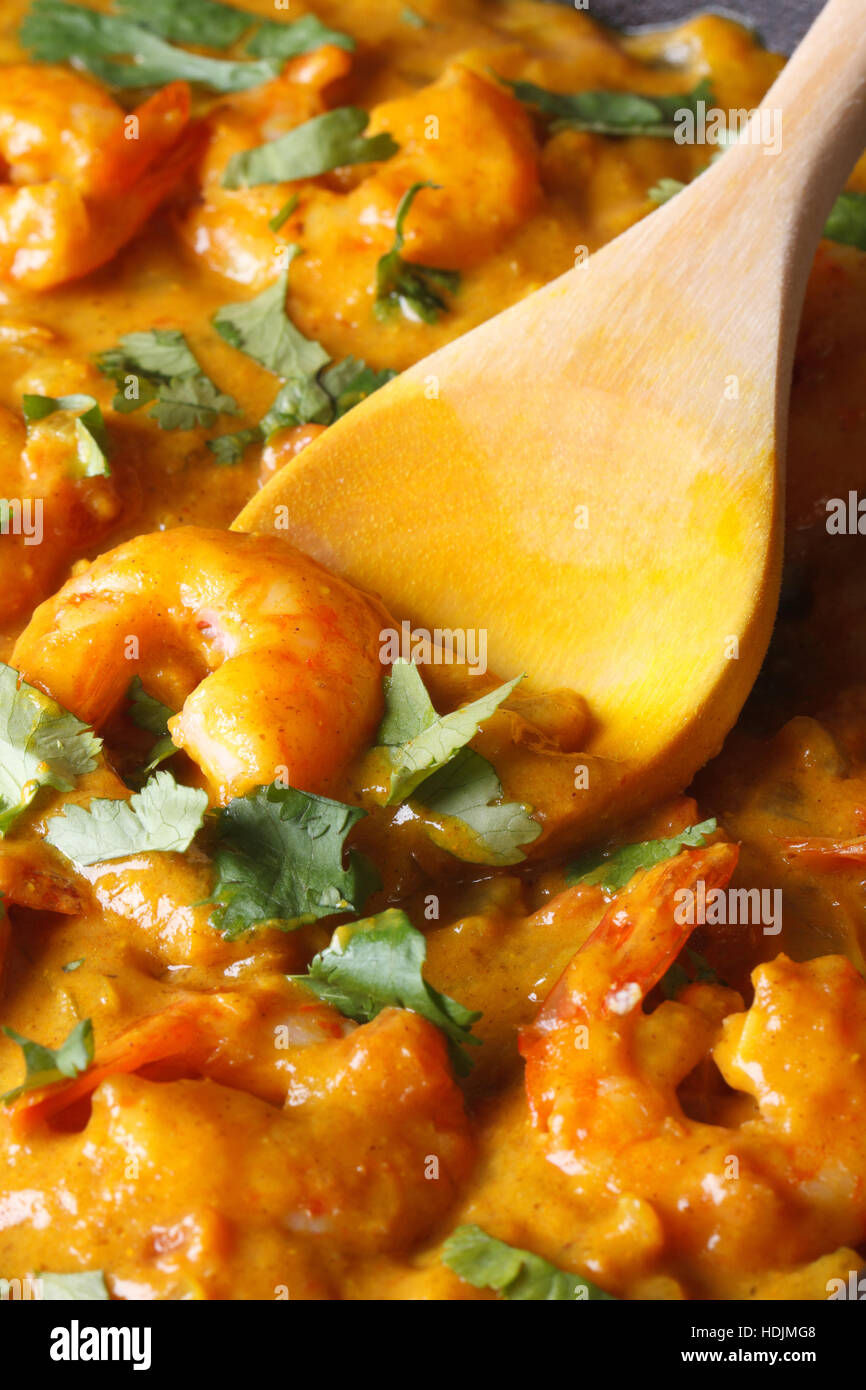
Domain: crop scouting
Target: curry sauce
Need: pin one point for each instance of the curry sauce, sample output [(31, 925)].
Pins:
[(236, 1135)]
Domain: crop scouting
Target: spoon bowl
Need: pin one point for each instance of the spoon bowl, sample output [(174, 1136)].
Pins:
[(594, 477)]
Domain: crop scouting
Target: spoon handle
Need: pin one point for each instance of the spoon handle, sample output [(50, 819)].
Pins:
[(819, 105), (756, 216)]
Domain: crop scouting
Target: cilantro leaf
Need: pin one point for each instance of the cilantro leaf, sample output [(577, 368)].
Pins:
[(350, 382), (418, 741), (303, 35), (664, 190), (676, 977), (87, 1286), (158, 354), (279, 860), (845, 225), (41, 745), (72, 965), (44, 1065), (150, 714), (92, 443), (54, 31), (613, 870), (229, 449), (285, 212), (330, 141), (611, 113), (189, 402), (377, 964), (162, 818), (516, 1275), (412, 18), (462, 791), (262, 329), (306, 401), (847, 221), (157, 366), (300, 401), (219, 26), (189, 21), (404, 287)]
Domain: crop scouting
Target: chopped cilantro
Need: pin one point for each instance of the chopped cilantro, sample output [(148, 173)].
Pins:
[(41, 745), (54, 31), (664, 190), (150, 714), (404, 287), (219, 26), (262, 329), (377, 964), (350, 382), (516, 1275), (847, 221), (676, 977), (466, 791), (613, 870), (202, 22), (611, 113), (72, 965), (413, 19), (304, 35), (162, 818), (419, 741), (330, 141), (44, 1065), (279, 860), (285, 212), (92, 443), (229, 449), (157, 366)]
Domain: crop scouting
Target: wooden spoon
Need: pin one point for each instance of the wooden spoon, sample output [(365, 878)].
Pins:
[(650, 387)]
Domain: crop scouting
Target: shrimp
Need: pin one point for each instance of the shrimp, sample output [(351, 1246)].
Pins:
[(819, 852), (464, 134), (766, 1179), (81, 176), (474, 141), (325, 1155), (230, 228), (274, 660), (50, 515)]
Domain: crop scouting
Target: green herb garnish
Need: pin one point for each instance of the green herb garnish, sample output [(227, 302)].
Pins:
[(611, 113), (330, 141), (279, 861), (418, 741), (150, 714), (415, 291), (41, 745), (378, 964), (163, 817), (45, 1065), (516, 1275), (54, 31), (157, 366), (612, 870), (92, 443)]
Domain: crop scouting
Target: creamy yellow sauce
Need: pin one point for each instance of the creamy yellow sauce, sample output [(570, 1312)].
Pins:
[(304, 1171)]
